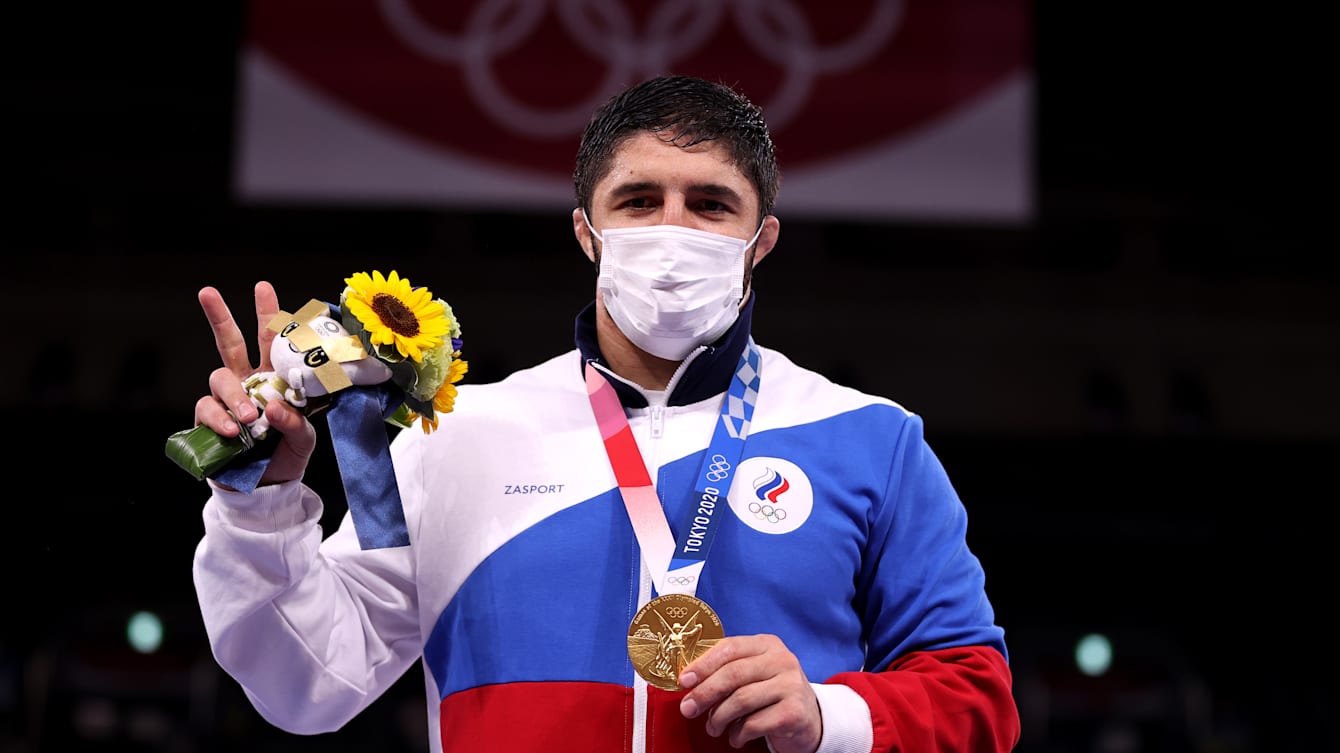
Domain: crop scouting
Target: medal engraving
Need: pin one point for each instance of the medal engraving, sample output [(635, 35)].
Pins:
[(669, 633)]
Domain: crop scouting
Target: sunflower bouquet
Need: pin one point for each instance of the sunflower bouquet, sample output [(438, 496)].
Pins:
[(385, 337), (388, 353), (413, 333)]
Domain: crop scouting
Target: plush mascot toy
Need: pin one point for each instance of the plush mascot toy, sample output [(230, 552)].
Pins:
[(389, 353)]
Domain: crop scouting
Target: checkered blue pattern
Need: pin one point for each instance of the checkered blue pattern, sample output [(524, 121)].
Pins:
[(743, 393)]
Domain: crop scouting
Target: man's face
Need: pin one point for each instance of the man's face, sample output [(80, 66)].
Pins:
[(651, 182)]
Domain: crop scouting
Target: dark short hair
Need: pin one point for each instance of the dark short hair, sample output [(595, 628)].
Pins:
[(683, 110)]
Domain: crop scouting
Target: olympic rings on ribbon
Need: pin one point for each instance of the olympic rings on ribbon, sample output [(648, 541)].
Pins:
[(719, 469)]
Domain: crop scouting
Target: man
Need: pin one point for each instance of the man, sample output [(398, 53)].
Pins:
[(667, 469)]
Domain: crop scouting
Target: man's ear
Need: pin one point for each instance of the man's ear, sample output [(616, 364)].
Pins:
[(583, 233), (767, 238)]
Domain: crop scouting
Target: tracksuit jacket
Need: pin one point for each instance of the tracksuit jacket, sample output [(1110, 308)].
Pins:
[(844, 538)]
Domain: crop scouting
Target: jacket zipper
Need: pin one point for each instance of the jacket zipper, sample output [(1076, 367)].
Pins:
[(657, 421)]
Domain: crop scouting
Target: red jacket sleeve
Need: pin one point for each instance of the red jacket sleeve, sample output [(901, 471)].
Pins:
[(953, 700)]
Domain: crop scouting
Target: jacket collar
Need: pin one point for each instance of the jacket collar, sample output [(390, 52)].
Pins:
[(709, 368)]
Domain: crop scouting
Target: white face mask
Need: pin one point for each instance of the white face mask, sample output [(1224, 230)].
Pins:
[(669, 288)]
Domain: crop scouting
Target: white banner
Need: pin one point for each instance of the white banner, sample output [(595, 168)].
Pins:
[(919, 109)]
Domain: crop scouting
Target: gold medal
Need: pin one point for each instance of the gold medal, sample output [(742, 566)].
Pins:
[(669, 633)]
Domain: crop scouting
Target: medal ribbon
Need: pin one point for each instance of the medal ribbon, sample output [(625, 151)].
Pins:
[(676, 566)]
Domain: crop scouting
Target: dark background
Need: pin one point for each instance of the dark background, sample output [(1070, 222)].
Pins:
[(1133, 393)]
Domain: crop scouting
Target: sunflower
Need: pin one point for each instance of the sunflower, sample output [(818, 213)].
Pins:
[(445, 399), (396, 314)]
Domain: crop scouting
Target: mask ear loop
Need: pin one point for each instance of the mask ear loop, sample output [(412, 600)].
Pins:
[(751, 242), (599, 257), (587, 219), (746, 279)]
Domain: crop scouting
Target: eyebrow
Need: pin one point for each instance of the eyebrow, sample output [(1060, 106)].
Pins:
[(709, 189)]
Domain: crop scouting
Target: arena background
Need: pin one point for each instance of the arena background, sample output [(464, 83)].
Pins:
[(1124, 348)]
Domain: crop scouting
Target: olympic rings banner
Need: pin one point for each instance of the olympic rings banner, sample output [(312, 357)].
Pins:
[(918, 109)]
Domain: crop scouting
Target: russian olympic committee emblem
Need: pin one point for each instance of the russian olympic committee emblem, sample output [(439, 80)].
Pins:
[(771, 495)]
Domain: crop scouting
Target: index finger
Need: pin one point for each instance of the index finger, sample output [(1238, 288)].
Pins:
[(228, 338), (733, 648)]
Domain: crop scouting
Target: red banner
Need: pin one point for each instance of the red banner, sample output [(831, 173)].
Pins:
[(911, 108)]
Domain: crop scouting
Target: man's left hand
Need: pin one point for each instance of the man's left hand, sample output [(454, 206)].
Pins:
[(752, 687)]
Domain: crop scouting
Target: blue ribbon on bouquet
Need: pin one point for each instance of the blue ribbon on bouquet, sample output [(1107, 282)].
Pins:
[(357, 419)]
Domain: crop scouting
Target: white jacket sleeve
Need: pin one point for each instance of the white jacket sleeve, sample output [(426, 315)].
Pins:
[(313, 631)]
